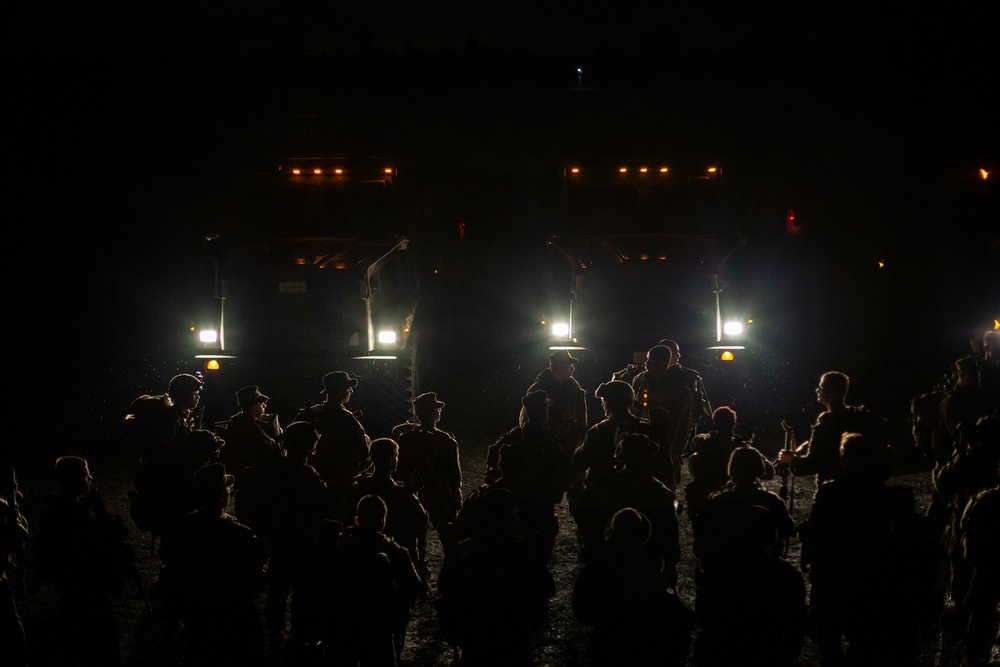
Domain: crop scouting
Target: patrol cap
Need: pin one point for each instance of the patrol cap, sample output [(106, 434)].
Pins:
[(616, 392), (299, 436), (184, 384), (250, 395), (211, 479), (426, 401), (562, 358), (337, 381)]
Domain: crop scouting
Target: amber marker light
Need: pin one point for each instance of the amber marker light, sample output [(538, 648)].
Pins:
[(712, 170), (338, 171), (296, 171), (623, 170), (663, 170), (387, 170), (881, 264), (727, 356), (643, 170), (983, 174), (212, 365), (575, 170)]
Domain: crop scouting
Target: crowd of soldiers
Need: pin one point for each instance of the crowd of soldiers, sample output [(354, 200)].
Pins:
[(332, 526)]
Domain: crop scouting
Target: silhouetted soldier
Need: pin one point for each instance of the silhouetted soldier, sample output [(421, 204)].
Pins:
[(251, 434), (972, 469), (820, 455), (82, 548), (751, 609), (871, 562), (342, 451), (667, 385), (155, 424), (965, 403), (379, 587), (567, 411), (282, 499), (719, 524), (596, 455), (623, 594), (708, 461), (429, 464), (989, 368), (214, 567), (163, 487), (406, 519), (523, 470), (494, 589), (13, 538), (632, 485), (981, 548)]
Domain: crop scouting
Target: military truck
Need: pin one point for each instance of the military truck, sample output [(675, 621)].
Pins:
[(314, 274), (645, 254)]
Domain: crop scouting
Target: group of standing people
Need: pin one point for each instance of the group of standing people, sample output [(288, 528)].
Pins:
[(332, 527)]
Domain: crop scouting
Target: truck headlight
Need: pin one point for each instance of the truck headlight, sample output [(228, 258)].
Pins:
[(560, 330), (387, 337), (208, 336), (733, 328)]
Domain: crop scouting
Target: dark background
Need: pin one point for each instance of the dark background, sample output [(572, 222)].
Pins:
[(130, 127)]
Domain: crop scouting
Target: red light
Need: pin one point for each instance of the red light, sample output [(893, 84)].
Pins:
[(791, 226)]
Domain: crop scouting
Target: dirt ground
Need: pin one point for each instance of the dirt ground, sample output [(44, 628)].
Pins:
[(146, 636)]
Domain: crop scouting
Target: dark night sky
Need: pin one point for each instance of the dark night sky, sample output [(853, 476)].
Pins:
[(129, 117)]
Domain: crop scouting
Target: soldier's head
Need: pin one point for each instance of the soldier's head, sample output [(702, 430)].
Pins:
[(338, 387), (658, 360), (616, 396), (536, 406), (562, 364), (384, 453), (73, 476), (747, 464), (251, 401), (675, 350), (724, 419), (203, 446), (427, 408), (861, 458), (299, 439), (635, 451), (370, 513), (832, 389), (991, 345), (628, 529), (967, 373), (185, 391), (212, 487)]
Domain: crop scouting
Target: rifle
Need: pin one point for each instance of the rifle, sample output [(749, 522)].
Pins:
[(787, 491)]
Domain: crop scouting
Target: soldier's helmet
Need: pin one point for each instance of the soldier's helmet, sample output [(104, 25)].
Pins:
[(299, 437), (616, 393), (628, 528), (183, 384), (747, 463)]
